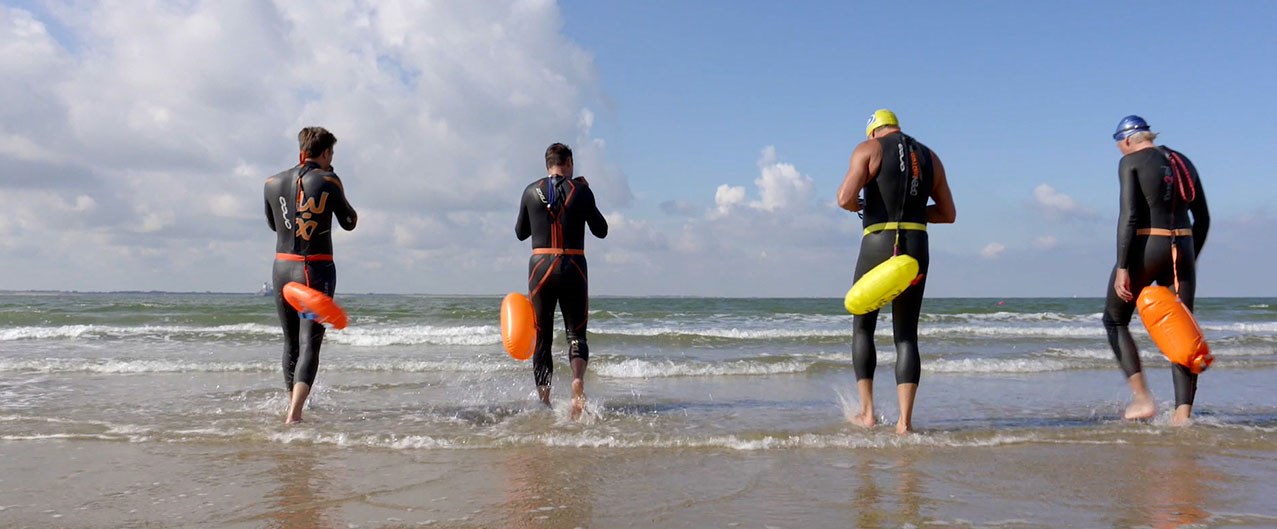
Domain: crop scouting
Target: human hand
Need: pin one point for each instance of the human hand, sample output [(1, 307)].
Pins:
[(1122, 284)]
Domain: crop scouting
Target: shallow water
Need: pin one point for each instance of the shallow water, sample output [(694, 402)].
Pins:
[(178, 383)]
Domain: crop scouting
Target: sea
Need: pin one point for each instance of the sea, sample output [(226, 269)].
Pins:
[(166, 410)]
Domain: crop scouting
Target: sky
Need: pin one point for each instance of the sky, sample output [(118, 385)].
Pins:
[(135, 137)]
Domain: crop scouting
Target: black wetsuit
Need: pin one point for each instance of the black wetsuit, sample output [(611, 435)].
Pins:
[(300, 205), (556, 219), (884, 196), (1154, 195)]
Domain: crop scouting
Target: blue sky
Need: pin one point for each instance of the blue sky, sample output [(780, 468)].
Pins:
[(1011, 94), (714, 134)]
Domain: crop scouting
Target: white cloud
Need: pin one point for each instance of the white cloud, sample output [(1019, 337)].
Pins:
[(1057, 204), (780, 186), (992, 250), (1046, 242), (167, 117), (727, 197)]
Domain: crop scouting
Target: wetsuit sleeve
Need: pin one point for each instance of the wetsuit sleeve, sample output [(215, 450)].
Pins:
[(523, 226), (342, 210), (1201, 213), (1129, 205), (270, 216), (266, 197), (598, 224)]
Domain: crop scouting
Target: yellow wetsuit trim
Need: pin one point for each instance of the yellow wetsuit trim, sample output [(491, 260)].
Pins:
[(884, 226)]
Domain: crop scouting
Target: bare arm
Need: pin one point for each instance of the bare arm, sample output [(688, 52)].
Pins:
[(943, 211), (858, 175)]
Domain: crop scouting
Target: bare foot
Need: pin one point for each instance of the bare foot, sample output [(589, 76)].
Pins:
[(543, 393), (578, 398), (904, 428), (865, 419), (1141, 407), (292, 420), (1183, 415)]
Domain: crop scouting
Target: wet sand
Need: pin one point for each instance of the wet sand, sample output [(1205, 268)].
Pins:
[(1170, 479)]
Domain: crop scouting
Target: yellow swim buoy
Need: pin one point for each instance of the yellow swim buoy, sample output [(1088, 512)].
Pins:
[(1173, 328), (518, 326), (881, 285)]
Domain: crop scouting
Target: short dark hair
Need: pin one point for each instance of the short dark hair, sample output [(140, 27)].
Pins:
[(557, 154), (313, 141)]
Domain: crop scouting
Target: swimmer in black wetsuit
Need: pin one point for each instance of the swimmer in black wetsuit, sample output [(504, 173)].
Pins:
[(1160, 187), (899, 175), (554, 211), (300, 206)]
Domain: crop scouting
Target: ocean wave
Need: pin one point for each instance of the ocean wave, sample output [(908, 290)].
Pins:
[(75, 332), (417, 335), (1262, 327), (59, 365), (1031, 317), (635, 368), (1028, 331), (999, 365), (132, 366), (354, 336), (732, 333)]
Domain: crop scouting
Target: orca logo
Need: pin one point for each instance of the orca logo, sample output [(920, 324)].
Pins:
[(283, 206)]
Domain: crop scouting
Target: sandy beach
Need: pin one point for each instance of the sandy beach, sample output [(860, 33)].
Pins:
[(1168, 479)]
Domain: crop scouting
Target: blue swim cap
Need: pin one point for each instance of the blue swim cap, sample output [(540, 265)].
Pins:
[(1128, 126)]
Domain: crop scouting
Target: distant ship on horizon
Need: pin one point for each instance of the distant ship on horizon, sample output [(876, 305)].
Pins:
[(266, 289)]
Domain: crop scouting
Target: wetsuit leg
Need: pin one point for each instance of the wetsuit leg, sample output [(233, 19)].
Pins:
[(323, 277), (874, 249), (1149, 263), (302, 337), (574, 301), (543, 290), (906, 310), (1185, 380)]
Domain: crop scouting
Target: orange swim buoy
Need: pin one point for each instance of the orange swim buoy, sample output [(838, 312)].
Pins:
[(1173, 328), (313, 304), (518, 326)]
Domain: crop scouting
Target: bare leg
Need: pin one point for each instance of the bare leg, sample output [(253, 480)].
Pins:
[(906, 394), (1183, 415), (1142, 406), (578, 387), (865, 418), (301, 390), (543, 393)]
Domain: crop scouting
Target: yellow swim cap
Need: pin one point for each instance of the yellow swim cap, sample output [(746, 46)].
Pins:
[(881, 118)]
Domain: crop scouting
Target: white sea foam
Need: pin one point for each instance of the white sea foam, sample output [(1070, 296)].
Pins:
[(729, 333), (346, 440), (997, 365), (1249, 327), (1030, 317), (1090, 353), (117, 331), (355, 336), (417, 335), (58, 365), (770, 442), (635, 368), (1027, 331), (118, 366)]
